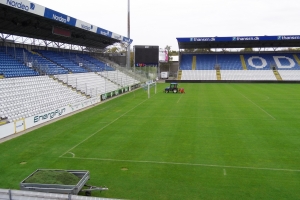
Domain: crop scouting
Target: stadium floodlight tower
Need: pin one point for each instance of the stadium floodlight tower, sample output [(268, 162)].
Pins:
[(128, 35)]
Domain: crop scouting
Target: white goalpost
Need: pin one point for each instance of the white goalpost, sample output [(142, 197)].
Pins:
[(148, 85)]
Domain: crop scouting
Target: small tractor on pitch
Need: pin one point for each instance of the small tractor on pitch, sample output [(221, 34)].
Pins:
[(174, 88)]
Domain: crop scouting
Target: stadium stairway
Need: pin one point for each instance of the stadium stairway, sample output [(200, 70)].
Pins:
[(179, 75), (243, 62), (194, 63), (218, 73), (107, 78), (297, 59), (71, 87), (277, 75)]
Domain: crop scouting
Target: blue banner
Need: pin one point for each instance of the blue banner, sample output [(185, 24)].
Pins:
[(127, 40), (36, 9), (239, 38), (104, 32), (51, 14)]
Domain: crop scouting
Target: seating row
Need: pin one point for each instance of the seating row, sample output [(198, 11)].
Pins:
[(282, 61), (26, 96), (89, 83)]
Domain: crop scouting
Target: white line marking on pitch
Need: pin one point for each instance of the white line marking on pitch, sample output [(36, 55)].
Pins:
[(179, 99), (256, 105), (73, 154), (186, 164), (102, 128), (184, 117), (224, 170)]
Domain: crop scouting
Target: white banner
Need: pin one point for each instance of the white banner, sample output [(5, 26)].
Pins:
[(19, 125), (7, 130), (163, 55), (116, 36), (47, 116), (86, 26), (25, 5)]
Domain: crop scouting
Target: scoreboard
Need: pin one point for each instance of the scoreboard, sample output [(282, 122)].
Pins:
[(146, 55)]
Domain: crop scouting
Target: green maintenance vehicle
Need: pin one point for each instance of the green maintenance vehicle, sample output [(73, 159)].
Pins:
[(173, 88)]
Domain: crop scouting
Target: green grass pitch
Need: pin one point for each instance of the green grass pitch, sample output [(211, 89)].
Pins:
[(217, 141)]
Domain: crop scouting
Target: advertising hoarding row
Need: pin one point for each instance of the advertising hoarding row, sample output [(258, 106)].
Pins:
[(48, 13), (237, 39)]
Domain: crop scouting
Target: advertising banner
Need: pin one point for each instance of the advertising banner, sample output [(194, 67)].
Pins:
[(127, 40), (47, 116), (86, 26), (104, 32), (19, 125), (25, 5), (239, 38), (51, 14), (117, 36), (163, 55)]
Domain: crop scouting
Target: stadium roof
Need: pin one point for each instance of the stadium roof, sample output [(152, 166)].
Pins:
[(239, 42), (28, 19)]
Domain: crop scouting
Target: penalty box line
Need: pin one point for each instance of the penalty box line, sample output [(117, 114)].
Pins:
[(184, 117), (256, 105), (102, 128), (184, 164)]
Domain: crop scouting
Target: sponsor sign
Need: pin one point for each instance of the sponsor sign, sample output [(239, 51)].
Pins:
[(203, 39), (244, 38), (104, 32), (51, 14), (239, 38), (163, 55), (53, 114), (289, 37), (19, 125), (49, 115), (25, 5), (117, 36), (86, 26), (127, 40)]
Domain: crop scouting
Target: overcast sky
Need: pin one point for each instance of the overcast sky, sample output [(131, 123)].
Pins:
[(160, 22)]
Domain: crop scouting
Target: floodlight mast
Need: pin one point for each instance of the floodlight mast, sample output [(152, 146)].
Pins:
[(128, 35)]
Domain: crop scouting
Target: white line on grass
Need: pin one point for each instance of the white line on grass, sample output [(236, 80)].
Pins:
[(73, 154), (184, 117), (224, 170), (102, 128), (256, 105), (179, 99), (186, 164)]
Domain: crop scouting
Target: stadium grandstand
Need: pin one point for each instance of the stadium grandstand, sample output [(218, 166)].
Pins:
[(268, 60), (48, 65)]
